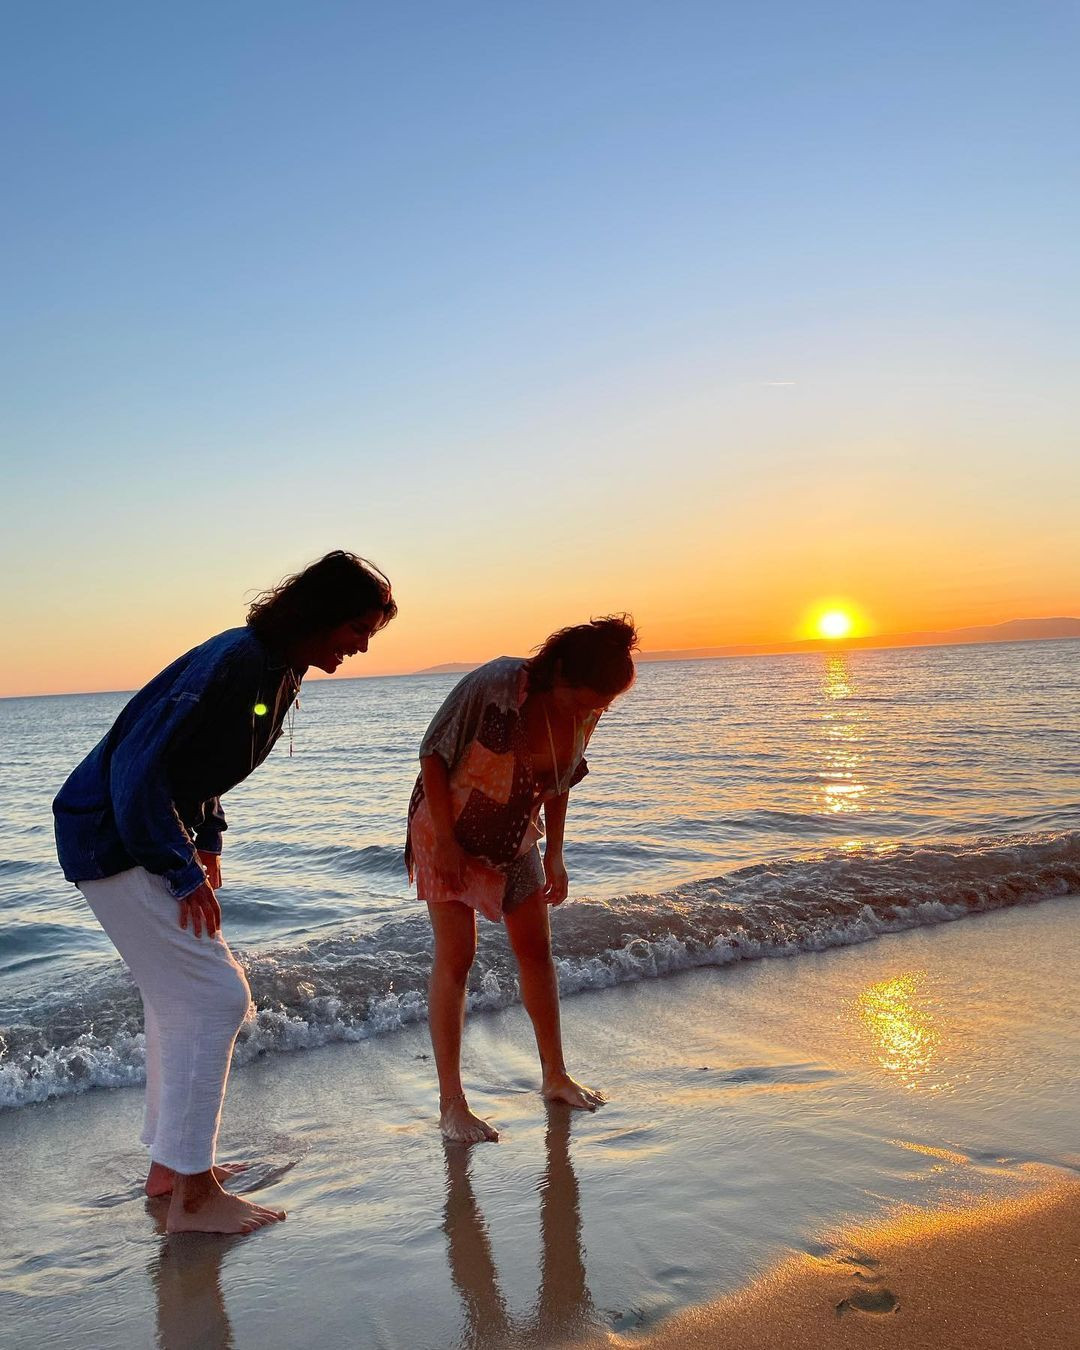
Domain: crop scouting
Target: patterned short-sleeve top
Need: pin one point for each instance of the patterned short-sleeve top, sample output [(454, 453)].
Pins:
[(479, 734)]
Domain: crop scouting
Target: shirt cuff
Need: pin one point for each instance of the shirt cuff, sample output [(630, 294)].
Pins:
[(208, 840), (184, 881), (436, 752)]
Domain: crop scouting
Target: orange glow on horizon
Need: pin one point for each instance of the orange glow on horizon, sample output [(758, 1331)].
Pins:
[(834, 619), (82, 638)]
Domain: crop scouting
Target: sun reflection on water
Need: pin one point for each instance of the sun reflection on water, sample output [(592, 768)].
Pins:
[(896, 1016), (841, 791)]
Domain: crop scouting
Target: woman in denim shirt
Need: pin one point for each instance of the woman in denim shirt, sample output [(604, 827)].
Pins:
[(138, 830)]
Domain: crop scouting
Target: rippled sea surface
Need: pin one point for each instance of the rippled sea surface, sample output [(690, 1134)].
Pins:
[(736, 809)]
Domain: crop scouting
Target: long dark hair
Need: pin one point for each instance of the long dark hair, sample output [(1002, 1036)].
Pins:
[(337, 588), (594, 655)]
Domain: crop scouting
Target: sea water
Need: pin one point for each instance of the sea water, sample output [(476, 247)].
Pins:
[(735, 810)]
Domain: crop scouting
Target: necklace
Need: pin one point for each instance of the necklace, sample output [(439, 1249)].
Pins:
[(262, 709), (559, 789), (294, 708)]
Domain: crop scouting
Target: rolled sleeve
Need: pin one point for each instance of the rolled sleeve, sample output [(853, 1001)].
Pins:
[(213, 826), (457, 721), (184, 881)]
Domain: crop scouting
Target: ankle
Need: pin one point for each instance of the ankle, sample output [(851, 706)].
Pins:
[(192, 1190), (446, 1102)]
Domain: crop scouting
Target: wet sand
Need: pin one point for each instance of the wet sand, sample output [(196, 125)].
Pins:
[(774, 1130), (994, 1277)]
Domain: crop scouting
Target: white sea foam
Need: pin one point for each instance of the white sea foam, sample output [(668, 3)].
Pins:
[(350, 986)]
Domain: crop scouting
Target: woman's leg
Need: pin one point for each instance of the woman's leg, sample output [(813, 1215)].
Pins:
[(455, 946), (197, 997), (530, 937), (160, 1179)]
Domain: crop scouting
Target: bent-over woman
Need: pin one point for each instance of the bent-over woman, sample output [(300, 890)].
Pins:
[(138, 830), (509, 740)]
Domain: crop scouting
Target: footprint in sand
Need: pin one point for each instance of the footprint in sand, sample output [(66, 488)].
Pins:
[(869, 1301), (861, 1266), (865, 1268)]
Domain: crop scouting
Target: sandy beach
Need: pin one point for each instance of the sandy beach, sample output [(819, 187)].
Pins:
[(993, 1275), (892, 1121)]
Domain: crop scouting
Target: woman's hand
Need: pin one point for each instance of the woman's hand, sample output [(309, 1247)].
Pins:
[(555, 892), (450, 860), (202, 908), (212, 863)]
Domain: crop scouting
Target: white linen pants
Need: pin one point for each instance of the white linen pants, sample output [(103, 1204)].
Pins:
[(195, 998)]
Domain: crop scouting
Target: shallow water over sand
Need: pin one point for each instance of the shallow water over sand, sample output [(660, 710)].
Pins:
[(754, 1108)]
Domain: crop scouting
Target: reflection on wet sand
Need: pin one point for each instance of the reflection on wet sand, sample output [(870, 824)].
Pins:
[(563, 1306), (185, 1274), (898, 1019)]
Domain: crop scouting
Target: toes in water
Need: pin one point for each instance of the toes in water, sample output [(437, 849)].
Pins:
[(461, 1126), (574, 1094)]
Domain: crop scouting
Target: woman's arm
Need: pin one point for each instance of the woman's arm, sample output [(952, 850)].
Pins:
[(555, 823), (449, 855), (458, 720), (146, 817), (141, 795), (208, 840)]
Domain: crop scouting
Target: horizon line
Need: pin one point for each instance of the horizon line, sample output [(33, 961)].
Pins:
[(800, 647)]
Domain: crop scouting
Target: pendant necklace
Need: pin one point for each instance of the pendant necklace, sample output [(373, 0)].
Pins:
[(559, 789), (294, 708)]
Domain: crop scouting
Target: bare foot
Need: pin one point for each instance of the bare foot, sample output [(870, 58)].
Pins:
[(160, 1179), (199, 1205), (460, 1126), (560, 1087)]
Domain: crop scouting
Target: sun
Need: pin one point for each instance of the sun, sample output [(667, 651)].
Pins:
[(835, 623), (833, 618)]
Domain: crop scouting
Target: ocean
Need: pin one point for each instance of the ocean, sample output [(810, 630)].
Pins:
[(736, 810)]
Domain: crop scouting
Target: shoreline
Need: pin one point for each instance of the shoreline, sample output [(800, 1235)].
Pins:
[(1000, 1274), (752, 1109), (349, 983)]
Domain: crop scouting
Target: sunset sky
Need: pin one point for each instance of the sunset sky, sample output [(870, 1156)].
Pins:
[(719, 314)]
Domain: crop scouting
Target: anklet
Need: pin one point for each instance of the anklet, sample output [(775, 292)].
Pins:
[(444, 1102)]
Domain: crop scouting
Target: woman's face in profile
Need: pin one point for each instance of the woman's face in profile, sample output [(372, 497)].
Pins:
[(578, 700), (328, 650)]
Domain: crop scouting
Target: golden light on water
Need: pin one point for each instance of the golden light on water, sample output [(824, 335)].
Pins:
[(896, 1017), (841, 787), (838, 683)]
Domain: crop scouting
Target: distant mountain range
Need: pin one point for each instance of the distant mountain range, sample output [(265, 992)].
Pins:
[(1015, 630)]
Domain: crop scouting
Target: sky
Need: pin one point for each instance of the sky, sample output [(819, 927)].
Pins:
[(714, 313)]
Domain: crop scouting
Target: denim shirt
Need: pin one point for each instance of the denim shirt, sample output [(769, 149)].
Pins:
[(148, 794)]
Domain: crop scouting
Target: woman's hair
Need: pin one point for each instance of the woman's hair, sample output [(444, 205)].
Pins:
[(332, 591), (593, 655)]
